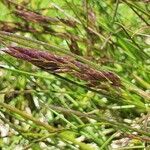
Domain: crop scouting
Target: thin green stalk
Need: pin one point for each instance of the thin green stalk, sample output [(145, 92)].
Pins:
[(140, 16), (130, 148), (142, 82), (13, 126), (135, 43), (108, 141), (49, 128), (115, 12), (137, 7), (118, 125), (32, 43), (28, 117), (25, 73)]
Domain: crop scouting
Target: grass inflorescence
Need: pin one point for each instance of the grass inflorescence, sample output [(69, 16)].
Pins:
[(74, 74)]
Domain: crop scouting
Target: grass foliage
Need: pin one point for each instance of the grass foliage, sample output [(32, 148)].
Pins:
[(74, 74)]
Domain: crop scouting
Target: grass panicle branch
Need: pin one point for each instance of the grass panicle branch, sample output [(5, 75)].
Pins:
[(60, 64)]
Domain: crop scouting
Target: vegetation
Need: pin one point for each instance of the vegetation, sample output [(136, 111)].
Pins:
[(74, 74)]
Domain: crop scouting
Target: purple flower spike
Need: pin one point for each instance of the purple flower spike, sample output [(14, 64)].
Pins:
[(59, 64)]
